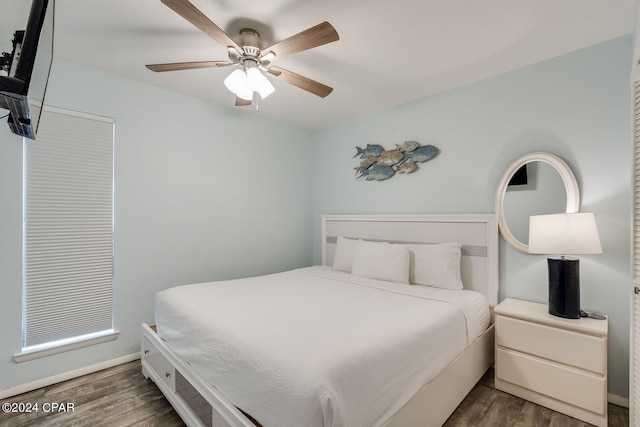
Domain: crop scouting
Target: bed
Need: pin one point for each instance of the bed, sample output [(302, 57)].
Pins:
[(332, 347)]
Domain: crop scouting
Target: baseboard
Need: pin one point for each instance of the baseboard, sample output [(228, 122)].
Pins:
[(44, 382), (617, 400)]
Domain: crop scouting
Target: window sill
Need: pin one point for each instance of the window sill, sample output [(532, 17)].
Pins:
[(25, 356)]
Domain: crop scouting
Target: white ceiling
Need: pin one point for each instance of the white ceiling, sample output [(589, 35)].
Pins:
[(389, 52)]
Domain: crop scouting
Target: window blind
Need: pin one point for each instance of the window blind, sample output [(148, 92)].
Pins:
[(635, 311), (68, 228)]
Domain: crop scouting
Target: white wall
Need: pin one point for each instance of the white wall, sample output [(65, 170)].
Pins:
[(576, 106), (202, 192)]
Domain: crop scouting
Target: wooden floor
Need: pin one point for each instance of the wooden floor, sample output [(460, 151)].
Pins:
[(121, 396), (486, 406), (118, 396)]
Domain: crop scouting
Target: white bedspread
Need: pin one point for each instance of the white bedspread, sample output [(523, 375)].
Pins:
[(315, 347)]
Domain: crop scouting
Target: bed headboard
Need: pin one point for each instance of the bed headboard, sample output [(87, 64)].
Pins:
[(478, 235)]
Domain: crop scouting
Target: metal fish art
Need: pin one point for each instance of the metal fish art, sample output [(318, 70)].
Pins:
[(365, 164), (408, 146), (390, 157), (407, 167), (371, 150), (378, 173), (422, 154), (368, 162), (380, 164)]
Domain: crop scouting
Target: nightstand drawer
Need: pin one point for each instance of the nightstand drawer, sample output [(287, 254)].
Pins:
[(571, 348), (578, 388)]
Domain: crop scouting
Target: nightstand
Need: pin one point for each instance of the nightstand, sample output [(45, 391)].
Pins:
[(555, 362)]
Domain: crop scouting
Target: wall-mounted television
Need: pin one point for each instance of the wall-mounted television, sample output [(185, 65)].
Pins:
[(27, 67)]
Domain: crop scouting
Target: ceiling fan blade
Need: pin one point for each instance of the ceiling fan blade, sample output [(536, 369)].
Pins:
[(312, 37), (242, 102), (302, 82), (176, 66), (192, 14)]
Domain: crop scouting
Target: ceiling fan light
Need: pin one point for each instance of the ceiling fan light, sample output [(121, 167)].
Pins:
[(259, 83), (245, 93), (266, 89), (236, 82)]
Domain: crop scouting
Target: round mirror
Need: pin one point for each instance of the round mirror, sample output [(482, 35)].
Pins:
[(534, 184)]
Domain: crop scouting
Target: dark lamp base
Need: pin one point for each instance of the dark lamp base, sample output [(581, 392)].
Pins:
[(564, 287)]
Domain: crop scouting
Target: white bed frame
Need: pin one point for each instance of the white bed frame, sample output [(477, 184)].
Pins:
[(200, 404)]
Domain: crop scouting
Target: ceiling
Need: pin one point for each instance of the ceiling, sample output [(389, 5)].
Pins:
[(389, 52)]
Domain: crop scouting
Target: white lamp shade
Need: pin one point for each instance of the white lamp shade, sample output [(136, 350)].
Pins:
[(564, 234), (259, 83), (245, 93), (237, 83)]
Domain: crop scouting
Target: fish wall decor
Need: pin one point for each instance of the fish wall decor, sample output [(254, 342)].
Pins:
[(379, 164)]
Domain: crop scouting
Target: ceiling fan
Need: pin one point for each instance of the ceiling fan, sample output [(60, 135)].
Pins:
[(251, 54)]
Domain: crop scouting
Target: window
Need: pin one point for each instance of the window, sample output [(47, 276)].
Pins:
[(634, 411), (67, 234)]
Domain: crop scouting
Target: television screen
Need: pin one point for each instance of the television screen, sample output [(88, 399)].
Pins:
[(23, 89)]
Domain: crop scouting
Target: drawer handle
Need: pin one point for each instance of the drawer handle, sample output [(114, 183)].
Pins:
[(167, 374), (146, 352)]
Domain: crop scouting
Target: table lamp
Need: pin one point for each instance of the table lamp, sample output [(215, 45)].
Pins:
[(564, 234)]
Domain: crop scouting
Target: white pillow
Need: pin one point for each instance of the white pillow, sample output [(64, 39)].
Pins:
[(436, 265), (343, 256), (382, 261)]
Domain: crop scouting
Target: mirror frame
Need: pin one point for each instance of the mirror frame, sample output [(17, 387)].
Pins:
[(568, 178)]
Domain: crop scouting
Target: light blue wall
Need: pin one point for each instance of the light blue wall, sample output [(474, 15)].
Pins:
[(202, 192), (576, 106)]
